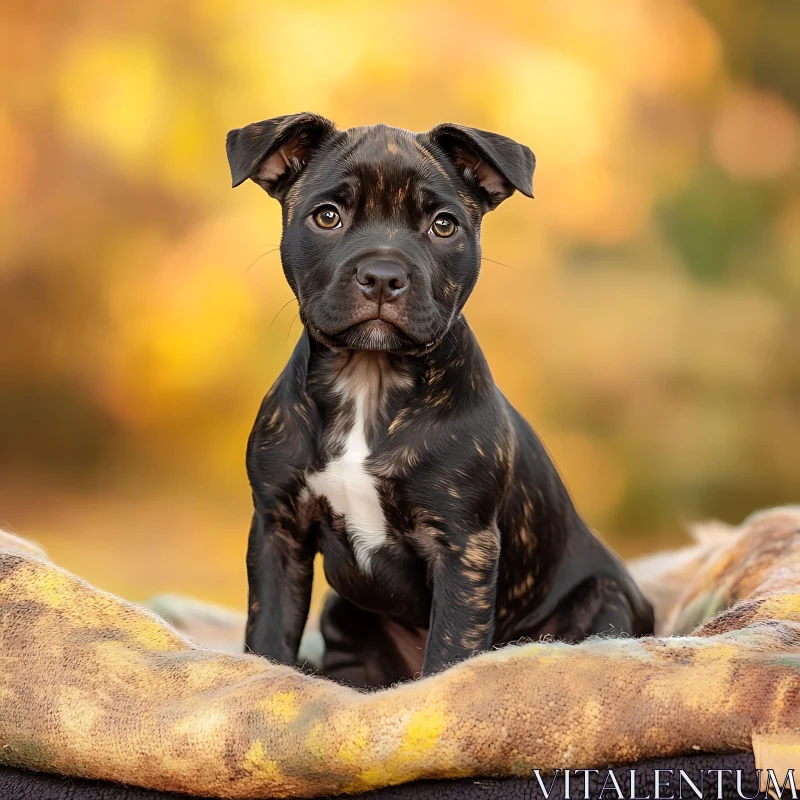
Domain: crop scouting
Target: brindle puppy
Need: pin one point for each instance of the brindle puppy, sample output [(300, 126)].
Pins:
[(385, 444)]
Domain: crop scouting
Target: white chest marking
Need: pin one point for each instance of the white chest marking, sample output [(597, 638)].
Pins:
[(353, 492)]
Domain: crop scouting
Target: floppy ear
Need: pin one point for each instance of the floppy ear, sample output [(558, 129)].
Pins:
[(495, 164), (275, 151)]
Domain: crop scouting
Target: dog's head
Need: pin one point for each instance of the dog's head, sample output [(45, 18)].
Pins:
[(381, 227)]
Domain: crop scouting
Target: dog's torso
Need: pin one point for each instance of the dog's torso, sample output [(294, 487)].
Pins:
[(388, 466)]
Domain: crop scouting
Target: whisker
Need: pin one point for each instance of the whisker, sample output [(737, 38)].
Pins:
[(262, 256), (452, 335), (291, 324), (447, 323), (483, 258), (307, 301), (460, 321), (293, 299)]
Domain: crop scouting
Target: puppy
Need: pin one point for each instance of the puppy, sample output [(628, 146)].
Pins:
[(385, 444)]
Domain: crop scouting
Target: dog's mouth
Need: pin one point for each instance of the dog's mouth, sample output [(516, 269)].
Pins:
[(373, 334)]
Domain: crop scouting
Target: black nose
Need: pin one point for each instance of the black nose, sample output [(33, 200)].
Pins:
[(382, 280)]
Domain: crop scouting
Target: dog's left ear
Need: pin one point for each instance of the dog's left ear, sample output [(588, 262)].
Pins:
[(496, 164), (275, 151)]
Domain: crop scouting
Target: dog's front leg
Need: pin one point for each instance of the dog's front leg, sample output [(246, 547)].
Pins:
[(464, 591), (280, 568)]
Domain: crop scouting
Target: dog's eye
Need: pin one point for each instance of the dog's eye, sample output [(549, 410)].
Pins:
[(327, 217), (443, 226)]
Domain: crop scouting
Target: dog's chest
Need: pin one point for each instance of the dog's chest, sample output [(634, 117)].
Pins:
[(351, 489), (352, 493)]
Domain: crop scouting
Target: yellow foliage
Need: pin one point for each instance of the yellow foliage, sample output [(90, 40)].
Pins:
[(643, 313)]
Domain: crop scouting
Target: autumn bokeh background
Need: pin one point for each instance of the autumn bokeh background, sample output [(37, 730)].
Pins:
[(647, 319)]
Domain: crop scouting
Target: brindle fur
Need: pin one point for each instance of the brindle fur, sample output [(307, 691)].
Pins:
[(482, 543)]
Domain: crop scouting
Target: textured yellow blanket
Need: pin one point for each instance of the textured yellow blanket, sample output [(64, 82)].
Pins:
[(93, 686)]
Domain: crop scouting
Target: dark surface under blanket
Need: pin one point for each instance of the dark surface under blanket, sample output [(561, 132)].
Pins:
[(22, 785)]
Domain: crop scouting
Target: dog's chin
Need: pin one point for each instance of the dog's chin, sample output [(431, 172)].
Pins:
[(374, 335)]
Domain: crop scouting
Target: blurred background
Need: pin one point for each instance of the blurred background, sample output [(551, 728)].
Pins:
[(644, 315)]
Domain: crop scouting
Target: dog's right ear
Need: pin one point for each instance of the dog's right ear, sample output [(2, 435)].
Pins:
[(275, 151)]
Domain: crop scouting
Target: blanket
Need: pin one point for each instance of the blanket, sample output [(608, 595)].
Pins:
[(92, 686)]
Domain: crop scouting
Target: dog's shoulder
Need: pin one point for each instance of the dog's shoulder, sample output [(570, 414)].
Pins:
[(287, 423)]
